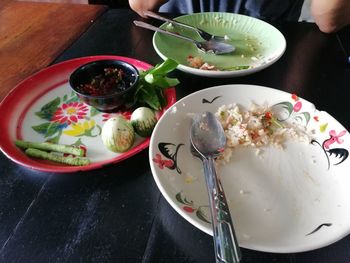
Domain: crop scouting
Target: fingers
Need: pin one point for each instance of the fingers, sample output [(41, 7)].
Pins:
[(139, 6)]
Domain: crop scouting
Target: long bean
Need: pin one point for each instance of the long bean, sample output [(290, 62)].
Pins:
[(76, 161), (46, 146)]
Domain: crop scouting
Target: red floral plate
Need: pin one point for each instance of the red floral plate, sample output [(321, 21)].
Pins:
[(43, 107)]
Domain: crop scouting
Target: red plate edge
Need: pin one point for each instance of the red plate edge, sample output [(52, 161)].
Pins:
[(8, 147)]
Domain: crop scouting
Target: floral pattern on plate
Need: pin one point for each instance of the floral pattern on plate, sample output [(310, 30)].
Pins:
[(289, 200), (51, 112)]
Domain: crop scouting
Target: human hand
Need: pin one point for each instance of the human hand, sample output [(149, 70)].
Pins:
[(139, 6), (331, 16)]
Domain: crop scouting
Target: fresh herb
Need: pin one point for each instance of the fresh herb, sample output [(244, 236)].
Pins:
[(270, 122), (152, 83)]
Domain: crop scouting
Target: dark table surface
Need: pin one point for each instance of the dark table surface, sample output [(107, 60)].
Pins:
[(117, 214)]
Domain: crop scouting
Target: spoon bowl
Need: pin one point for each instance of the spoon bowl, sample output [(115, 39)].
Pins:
[(209, 140), (210, 46), (207, 135)]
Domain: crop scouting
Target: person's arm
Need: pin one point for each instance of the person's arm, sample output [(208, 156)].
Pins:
[(331, 15), (139, 6)]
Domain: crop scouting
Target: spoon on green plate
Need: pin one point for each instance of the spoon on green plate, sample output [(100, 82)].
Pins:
[(205, 35), (208, 46)]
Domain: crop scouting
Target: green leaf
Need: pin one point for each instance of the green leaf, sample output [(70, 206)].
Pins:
[(94, 112), (150, 97), (78, 143), (164, 68), (299, 118), (161, 81), (171, 82), (52, 129), (46, 112), (188, 202), (47, 129), (307, 117), (303, 116), (162, 99), (51, 105), (200, 214), (149, 91), (179, 198), (55, 139), (42, 128), (286, 105), (72, 99)]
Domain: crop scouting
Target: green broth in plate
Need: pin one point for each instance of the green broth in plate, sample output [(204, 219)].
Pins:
[(258, 44)]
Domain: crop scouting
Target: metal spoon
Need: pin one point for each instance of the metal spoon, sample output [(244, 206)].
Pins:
[(210, 46), (209, 140), (201, 32)]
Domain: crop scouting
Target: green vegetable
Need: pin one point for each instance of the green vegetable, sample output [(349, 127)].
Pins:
[(76, 161), (118, 134), (276, 122), (143, 120), (152, 82), (46, 146)]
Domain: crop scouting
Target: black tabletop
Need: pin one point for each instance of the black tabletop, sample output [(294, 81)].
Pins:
[(117, 213)]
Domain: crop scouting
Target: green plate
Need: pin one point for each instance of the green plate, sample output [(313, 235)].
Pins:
[(258, 44)]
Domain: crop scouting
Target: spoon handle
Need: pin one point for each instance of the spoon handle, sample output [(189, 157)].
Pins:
[(157, 29), (162, 18), (225, 241)]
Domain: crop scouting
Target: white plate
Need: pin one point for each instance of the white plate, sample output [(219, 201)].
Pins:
[(290, 200), (258, 44)]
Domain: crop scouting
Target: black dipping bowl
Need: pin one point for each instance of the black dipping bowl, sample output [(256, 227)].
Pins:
[(109, 102)]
